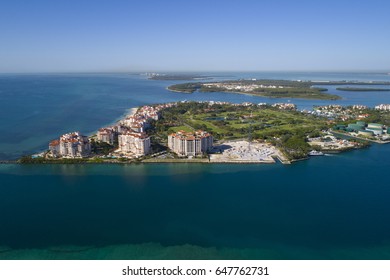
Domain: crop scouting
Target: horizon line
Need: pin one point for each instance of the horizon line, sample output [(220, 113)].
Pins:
[(378, 71)]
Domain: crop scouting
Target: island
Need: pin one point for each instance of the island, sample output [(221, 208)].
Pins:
[(177, 77), (270, 88), (362, 89), (222, 132)]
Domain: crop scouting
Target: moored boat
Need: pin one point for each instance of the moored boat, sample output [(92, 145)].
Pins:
[(316, 153)]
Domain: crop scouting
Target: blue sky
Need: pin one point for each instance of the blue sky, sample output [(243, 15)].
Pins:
[(84, 35)]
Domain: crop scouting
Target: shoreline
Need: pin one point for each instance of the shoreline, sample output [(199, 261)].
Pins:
[(178, 91), (128, 113), (147, 162)]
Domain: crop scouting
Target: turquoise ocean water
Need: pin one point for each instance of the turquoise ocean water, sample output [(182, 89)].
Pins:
[(332, 207)]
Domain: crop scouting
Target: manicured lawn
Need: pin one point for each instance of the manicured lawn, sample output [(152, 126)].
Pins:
[(182, 127), (261, 123)]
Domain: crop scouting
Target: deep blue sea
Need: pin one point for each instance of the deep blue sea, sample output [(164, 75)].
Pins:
[(331, 207)]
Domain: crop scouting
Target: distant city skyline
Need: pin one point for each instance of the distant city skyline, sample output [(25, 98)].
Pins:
[(193, 36)]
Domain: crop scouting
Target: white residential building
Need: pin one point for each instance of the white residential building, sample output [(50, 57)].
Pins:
[(106, 135), (54, 147), (285, 106), (190, 143), (134, 143), (71, 145), (383, 107)]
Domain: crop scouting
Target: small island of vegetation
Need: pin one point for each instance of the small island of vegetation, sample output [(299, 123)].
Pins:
[(361, 89)]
